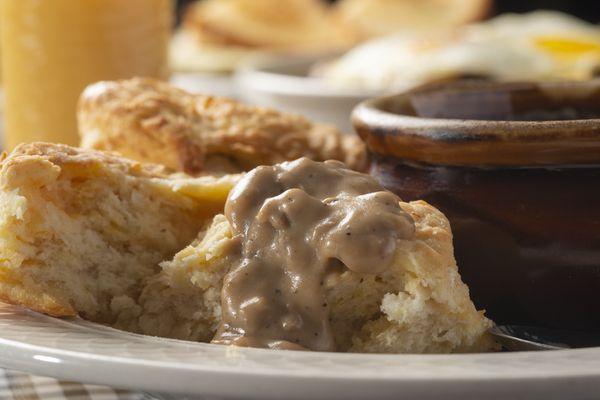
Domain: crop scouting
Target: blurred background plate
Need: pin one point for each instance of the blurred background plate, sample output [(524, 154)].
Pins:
[(286, 85), (206, 83)]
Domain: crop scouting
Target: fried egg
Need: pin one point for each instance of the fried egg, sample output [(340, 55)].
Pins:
[(539, 46)]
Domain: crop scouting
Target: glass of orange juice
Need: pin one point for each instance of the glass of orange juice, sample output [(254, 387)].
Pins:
[(52, 49)]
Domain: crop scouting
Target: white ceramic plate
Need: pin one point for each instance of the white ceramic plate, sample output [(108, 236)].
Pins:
[(82, 351), (285, 85), (282, 84), (206, 83)]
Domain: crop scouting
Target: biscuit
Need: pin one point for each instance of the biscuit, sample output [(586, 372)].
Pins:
[(80, 228), (419, 305), (152, 121)]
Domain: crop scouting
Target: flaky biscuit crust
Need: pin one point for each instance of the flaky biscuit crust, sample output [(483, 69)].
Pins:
[(60, 154), (153, 121)]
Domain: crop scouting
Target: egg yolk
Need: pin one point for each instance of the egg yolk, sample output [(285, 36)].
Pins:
[(567, 47)]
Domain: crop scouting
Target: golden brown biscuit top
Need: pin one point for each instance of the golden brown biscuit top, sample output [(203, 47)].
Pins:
[(152, 121), (89, 160)]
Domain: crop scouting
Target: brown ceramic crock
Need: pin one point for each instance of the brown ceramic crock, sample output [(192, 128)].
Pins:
[(516, 169)]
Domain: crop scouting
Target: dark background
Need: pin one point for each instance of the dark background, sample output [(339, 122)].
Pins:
[(586, 9)]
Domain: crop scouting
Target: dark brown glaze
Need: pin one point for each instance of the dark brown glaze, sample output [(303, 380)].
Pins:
[(522, 196), (527, 241)]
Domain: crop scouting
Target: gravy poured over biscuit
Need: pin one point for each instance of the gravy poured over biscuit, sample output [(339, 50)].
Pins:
[(297, 226)]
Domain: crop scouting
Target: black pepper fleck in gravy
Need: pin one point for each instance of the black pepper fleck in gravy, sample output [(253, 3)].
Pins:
[(298, 223)]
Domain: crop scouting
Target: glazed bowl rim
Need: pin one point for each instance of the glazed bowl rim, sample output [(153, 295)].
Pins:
[(371, 112), (483, 143)]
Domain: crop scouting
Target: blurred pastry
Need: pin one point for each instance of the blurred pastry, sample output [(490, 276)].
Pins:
[(218, 35), (152, 121), (372, 18), (82, 228), (538, 46)]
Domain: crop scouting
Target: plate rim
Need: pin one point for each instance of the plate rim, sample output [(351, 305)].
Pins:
[(139, 373)]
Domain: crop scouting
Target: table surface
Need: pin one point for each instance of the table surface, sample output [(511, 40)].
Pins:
[(16, 385)]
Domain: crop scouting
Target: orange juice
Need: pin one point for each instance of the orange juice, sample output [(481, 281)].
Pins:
[(52, 49)]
